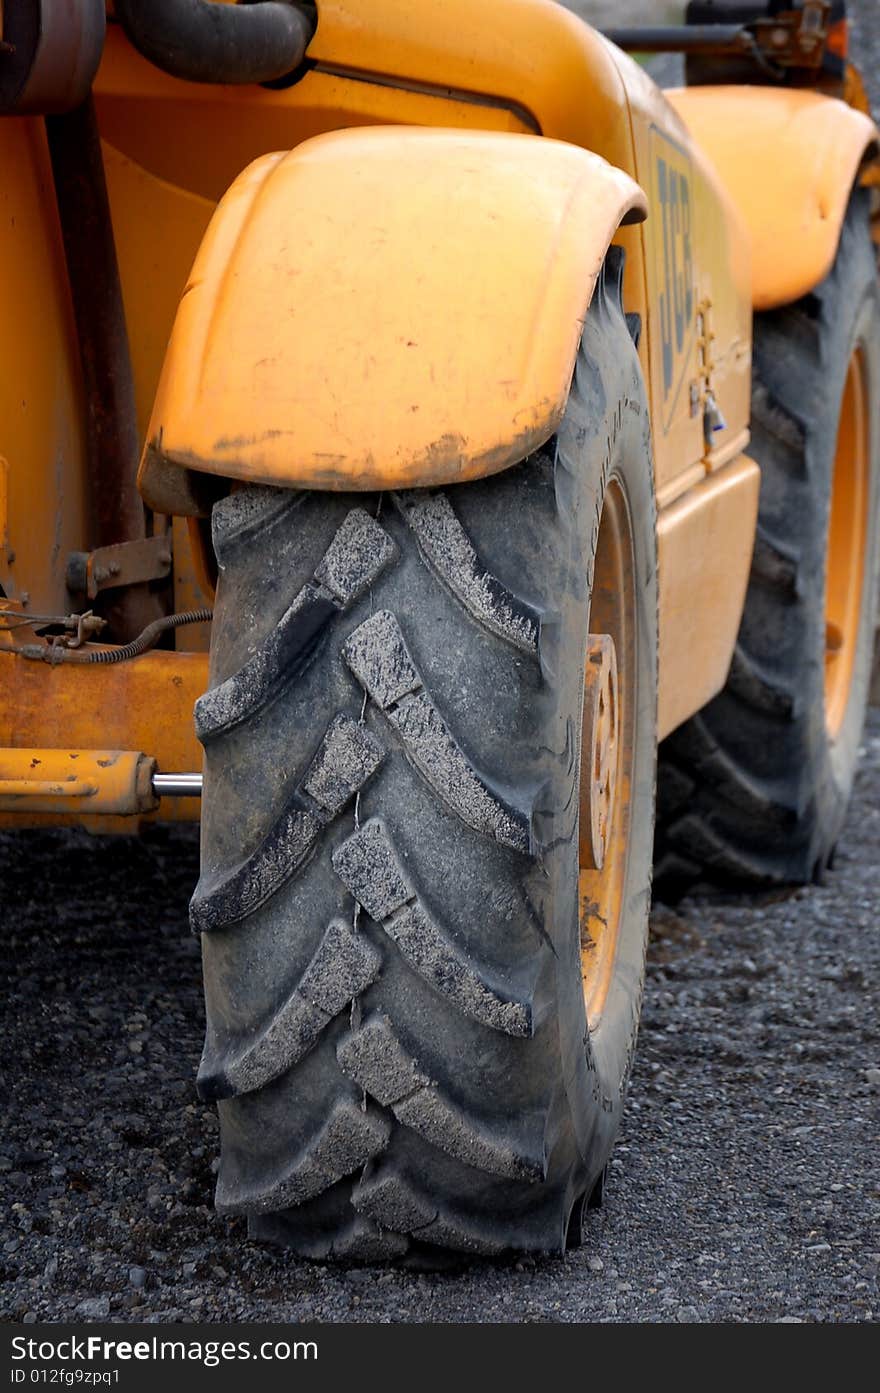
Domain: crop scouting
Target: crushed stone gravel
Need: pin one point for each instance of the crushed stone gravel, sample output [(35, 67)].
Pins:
[(744, 1185)]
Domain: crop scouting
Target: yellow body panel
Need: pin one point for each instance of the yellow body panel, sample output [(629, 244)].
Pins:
[(44, 513), (158, 228), (142, 111), (789, 159), (507, 65), (697, 275), (405, 307), (704, 544), (522, 65)]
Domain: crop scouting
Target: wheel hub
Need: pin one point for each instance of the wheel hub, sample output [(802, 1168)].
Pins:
[(601, 724)]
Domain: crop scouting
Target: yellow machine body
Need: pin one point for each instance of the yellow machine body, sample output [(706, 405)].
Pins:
[(376, 276)]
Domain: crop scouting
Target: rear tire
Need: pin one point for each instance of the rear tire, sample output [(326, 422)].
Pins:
[(392, 933), (754, 789)]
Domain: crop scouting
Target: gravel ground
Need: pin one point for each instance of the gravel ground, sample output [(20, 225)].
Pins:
[(744, 1186)]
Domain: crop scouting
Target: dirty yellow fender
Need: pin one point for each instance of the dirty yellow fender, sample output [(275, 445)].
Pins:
[(789, 159), (383, 308)]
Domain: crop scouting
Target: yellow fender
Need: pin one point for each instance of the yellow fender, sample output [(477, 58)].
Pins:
[(789, 159), (383, 308)]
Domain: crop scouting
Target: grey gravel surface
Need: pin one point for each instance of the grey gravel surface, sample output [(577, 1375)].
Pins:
[(745, 1185)]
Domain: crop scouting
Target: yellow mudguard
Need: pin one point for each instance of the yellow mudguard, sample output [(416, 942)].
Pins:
[(383, 308), (789, 159)]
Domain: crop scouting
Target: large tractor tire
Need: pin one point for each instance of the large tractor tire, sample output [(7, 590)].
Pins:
[(754, 789), (406, 799)]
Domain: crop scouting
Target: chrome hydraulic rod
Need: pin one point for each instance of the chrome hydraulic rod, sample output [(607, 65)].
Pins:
[(177, 785)]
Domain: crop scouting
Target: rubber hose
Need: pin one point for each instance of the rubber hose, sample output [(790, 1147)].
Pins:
[(205, 42)]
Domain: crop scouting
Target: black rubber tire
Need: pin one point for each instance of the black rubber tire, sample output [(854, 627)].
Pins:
[(752, 790), (396, 1025)]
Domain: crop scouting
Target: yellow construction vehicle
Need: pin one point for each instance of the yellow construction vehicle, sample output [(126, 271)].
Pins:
[(446, 415)]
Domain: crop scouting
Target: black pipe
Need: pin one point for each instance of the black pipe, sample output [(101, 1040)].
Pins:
[(702, 38), (206, 42), (117, 512)]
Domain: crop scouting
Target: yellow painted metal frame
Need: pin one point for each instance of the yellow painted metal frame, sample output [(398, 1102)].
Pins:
[(514, 65), (704, 546), (142, 705), (115, 782), (405, 305), (789, 159)]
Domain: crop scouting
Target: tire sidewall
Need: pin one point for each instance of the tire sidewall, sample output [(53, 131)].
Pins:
[(843, 750), (851, 321), (605, 436)]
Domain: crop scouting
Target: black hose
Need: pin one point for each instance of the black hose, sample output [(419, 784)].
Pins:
[(87, 656), (206, 42)]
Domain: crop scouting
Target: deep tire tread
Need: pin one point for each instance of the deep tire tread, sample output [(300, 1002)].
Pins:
[(343, 966), (351, 1136), (378, 656), (346, 759), (374, 1058), (372, 871), (449, 552), (357, 555), (412, 1069)]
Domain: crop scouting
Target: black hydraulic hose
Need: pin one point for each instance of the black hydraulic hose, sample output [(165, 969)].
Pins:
[(205, 42), (46, 653)]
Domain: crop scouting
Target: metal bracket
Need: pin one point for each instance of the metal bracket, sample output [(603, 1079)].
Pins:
[(124, 563), (793, 38), (702, 396)]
